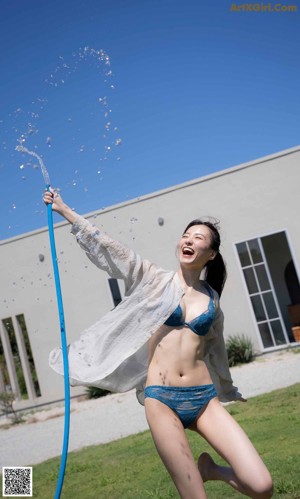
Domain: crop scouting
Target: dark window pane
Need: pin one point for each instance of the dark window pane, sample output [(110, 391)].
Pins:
[(115, 291), (250, 281), (262, 277), (243, 254), (255, 251), (270, 305), (265, 335), (278, 333), (5, 385), (8, 324), (24, 332), (258, 308)]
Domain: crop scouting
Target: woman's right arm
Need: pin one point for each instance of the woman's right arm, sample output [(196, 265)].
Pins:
[(58, 205)]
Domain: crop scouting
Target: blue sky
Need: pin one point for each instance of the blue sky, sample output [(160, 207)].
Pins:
[(195, 88)]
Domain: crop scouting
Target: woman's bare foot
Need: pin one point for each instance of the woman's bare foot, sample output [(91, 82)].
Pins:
[(205, 466)]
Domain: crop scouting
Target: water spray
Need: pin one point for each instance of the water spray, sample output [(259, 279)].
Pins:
[(64, 455), (59, 76)]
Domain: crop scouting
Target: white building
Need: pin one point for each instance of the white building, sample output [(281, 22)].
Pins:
[(258, 206)]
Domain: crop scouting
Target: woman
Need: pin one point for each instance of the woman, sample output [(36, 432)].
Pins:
[(165, 339)]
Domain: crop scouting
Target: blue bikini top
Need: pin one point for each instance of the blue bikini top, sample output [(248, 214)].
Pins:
[(200, 325)]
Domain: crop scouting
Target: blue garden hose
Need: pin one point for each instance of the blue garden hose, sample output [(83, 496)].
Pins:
[(63, 462), (64, 353)]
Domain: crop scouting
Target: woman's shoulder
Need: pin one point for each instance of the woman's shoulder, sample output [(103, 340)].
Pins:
[(213, 293)]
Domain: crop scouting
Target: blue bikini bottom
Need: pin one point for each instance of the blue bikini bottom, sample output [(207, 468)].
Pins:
[(185, 401)]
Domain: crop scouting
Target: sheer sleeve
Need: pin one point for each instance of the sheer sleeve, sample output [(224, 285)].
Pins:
[(109, 255), (217, 361)]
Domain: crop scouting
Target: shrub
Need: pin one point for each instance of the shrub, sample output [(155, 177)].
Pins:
[(240, 350), (6, 404), (93, 392)]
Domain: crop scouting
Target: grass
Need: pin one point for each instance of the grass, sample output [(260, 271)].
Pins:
[(131, 469)]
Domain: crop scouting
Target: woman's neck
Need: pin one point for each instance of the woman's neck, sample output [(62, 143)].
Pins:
[(190, 278)]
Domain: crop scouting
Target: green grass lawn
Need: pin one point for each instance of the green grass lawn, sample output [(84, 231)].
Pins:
[(131, 469)]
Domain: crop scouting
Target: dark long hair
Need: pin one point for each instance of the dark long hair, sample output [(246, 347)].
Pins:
[(215, 270)]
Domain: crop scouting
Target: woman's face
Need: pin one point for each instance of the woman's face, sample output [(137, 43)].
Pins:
[(195, 247)]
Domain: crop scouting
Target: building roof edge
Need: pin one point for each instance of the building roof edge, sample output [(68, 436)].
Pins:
[(205, 178)]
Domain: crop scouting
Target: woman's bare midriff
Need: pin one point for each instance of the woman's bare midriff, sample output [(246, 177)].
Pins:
[(176, 358)]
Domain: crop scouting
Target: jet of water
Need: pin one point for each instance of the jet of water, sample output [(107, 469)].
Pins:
[(42, 165)]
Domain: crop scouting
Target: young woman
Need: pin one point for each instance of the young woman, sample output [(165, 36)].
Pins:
[(166, 340)]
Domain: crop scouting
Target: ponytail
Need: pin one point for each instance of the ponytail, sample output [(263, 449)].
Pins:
[(216, 274)]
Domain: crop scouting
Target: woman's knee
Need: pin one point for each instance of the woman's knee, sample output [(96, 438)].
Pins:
[(267, 489), (262, 488)]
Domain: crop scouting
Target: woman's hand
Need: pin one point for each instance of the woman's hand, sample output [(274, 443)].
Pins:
[(52, 197)]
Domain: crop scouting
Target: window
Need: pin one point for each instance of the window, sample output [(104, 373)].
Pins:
[(17, 368), (115, 291), (264, 261)]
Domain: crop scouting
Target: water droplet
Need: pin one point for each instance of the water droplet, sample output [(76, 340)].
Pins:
[(133, 220), (22, 167), (103, 101), (14, 206), (48, 141), (118, 142)]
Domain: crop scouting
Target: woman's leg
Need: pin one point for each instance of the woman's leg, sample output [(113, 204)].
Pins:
[(173, 447), (247, 472)]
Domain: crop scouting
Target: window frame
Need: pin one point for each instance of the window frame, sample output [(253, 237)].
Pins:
[(259, 237)]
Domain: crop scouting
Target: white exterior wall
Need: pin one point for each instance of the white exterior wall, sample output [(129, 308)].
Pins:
[(251, 200)]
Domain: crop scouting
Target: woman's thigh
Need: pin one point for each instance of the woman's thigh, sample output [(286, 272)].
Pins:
[(226, 436), (174, 449)]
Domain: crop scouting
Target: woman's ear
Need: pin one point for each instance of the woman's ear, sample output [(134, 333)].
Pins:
[(213, 254)]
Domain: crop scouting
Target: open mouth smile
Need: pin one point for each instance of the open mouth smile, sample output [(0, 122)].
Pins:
[(187, 251)]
